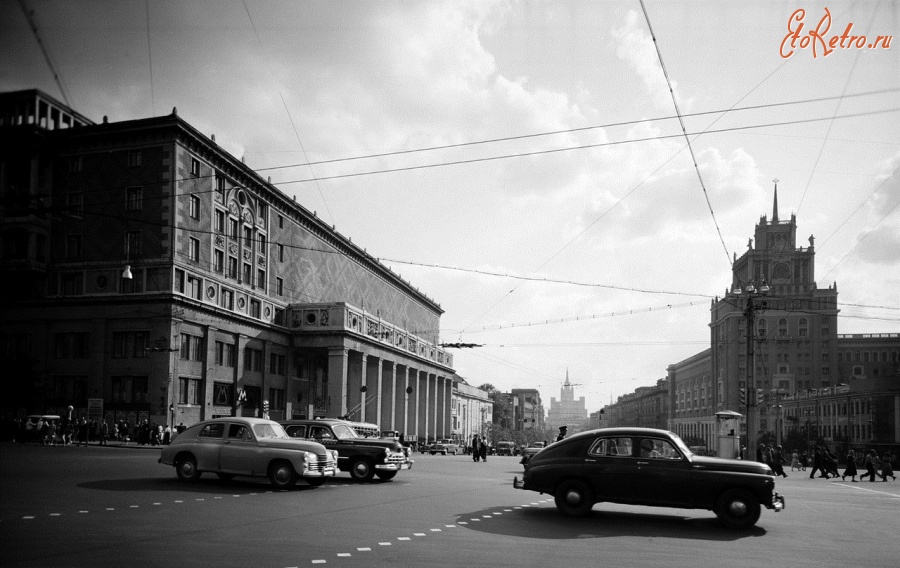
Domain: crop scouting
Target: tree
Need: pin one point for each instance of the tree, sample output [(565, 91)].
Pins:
[(488, 388)]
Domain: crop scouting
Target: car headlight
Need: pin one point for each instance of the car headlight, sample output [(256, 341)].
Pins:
[(310, 457), (334, 454)]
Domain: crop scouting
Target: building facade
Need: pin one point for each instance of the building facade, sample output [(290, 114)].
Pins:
[(474, 410), (150, 275)]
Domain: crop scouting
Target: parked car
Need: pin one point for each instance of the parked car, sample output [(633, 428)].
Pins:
[(252, 447), (444, 447), (363, 457), (646, 466), (529, 452), (506, 448)]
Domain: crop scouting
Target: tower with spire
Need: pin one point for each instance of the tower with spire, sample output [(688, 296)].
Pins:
[(566, 411)]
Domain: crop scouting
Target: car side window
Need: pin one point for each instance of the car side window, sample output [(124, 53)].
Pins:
[(655, 448), (239, 432), (321, 433), (212, 431), (612, 447), (296, 430)]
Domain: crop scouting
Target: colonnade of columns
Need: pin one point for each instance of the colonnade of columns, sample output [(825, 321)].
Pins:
[(395, 395)]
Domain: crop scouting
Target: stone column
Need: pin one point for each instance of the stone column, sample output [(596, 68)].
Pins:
[(337, 379), (363, 382)]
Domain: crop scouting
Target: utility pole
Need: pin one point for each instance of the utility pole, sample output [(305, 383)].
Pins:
[(752, 394)]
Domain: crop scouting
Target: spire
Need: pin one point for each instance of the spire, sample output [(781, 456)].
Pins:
[(567, 376), (775, 205)]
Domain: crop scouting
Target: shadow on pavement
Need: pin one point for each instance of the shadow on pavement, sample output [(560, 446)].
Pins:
[(208, 484), (547, 523)]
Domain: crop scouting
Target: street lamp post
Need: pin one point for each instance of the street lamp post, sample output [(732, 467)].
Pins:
[(752, 409)]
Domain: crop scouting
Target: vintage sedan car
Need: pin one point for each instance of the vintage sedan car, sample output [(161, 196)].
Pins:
[(253, 447), (444, 447), (364, 457), (646, 466), (505, 448)]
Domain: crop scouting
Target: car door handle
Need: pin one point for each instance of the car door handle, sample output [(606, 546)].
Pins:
[(588, 460), (643, 463)]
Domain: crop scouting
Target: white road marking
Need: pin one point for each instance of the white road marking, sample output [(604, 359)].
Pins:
[(403, 538), (384, 543), (364, 549)]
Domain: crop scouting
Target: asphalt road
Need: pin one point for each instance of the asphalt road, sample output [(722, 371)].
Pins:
[(115, 507)]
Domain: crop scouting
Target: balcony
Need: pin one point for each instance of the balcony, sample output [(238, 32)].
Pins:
[(355, 321)]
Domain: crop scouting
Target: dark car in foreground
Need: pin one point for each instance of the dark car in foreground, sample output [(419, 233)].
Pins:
[(252, 447), (364, 457), (645, 466)]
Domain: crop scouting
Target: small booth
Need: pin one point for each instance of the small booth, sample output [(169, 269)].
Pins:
[(728, 437)]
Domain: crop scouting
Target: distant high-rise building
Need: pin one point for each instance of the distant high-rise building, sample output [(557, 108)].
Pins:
[(566, 411)]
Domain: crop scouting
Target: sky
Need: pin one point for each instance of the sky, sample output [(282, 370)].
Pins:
[(523, 163)]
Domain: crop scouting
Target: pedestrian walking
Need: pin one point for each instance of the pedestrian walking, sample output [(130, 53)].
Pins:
[(870, 464), (851, 467), (817, 464), (476, 452), (104, 432), (831, 463), (887, 468), (483, 448), (795, 460), (778, 461), (51, 433)]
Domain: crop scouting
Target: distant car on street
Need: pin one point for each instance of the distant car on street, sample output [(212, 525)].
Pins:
[(444, 447), (506, 448), (530, 451), (650, 467), (253, 447)]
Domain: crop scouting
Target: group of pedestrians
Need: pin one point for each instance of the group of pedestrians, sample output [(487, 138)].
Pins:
[(826, 463), (479, 448), (81, 431)]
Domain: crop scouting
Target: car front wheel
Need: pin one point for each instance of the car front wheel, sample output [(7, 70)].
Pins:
[(186, 468), (362, 470), (282, 475), (738, 508), (386, 475), (573, 498)]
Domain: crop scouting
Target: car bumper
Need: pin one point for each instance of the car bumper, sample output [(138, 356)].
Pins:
[(323, 472), (394, 466), (518, 484)]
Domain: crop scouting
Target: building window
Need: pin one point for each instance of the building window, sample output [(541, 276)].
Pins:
[(255, 308), (248, 273), (195, 287), (220, 221), (248, 237), (195, 167), (804, 327), (782, 327), (75, 203), (195, 207), (276, 399), (189, 391), (223, 394), (194, 250), (261, 239), (130, 345), (73, 247), (276, 363), (73, 345), (218, 260), (761, 327), (72, 284), (179, 280), (261, 278), (226, 299), (134, 198), (280, 222), (133, 244), (261, 209), (75, 164), (825, 371), (232, 267), (220, 186), (252, 359), (279, 286), (191, 347), (129, 389), (232, 228)]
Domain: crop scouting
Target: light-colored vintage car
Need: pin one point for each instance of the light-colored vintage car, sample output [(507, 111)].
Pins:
[(252, 447)]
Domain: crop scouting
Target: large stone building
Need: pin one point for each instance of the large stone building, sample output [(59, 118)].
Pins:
[(149, 274), (844, 389), (473, 412)]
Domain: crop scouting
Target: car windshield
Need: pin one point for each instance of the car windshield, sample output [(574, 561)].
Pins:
[(344, 432), (682, 446), (269, 430)]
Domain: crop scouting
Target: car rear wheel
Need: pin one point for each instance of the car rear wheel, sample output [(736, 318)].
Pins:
[(282, 475), (186, 468), (738, 508), (386, 475), (362, 470), (573, 498)]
